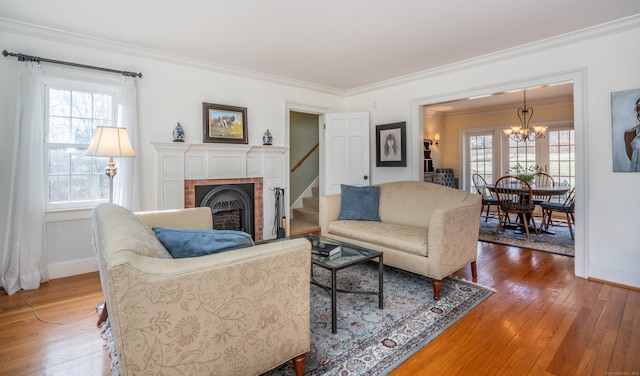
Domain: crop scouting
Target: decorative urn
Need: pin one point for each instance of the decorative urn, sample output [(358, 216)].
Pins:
[(267, 139), (178, 133)]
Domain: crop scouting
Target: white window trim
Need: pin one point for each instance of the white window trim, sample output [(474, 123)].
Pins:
[(501, 148), (73, 80)]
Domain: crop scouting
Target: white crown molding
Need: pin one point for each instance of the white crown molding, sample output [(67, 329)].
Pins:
[(609, 28), (23, 28), (56, 35)]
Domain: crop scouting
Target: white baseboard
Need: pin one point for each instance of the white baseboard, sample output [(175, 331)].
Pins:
[(622, 277), (75, 267)]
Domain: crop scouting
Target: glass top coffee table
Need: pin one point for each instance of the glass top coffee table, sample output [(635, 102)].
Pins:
[(348, 256)]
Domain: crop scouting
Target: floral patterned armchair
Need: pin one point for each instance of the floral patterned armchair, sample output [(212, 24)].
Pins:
[(241, 312)]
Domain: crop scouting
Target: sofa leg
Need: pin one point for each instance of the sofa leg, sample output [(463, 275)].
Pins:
[(103, 315), (437, 284), (299, 362), (474, 272)]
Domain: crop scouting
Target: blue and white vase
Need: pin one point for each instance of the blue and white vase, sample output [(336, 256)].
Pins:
[(178, 133), (267, 138)]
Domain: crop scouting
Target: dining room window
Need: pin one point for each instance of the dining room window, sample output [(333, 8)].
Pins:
[(521, 153), (561, 158), (489, 154), (481, 157), (562, 152)]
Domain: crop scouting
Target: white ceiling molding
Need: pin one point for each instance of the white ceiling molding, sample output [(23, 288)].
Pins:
[(613, 27), (56, 35)]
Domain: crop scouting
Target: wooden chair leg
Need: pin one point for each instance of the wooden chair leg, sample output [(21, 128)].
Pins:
[(437, 284), (103, 315), (474, 272), (535, 227), (525, 223), (544, 220), (569, 224), (299, 362), (500, 218)]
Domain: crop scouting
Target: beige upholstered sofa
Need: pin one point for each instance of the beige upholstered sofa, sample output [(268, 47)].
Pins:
[(425, 228), (240, 312)]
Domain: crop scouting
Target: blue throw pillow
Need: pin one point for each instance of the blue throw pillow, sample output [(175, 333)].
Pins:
[(359, 203), (183, 243)]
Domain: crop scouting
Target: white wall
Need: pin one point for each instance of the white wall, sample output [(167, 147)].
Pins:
[(601, 61), (171, 90)]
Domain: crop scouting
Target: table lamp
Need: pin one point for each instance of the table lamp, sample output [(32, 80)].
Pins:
[(110, 142)]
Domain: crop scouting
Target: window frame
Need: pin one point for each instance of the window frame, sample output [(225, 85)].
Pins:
[(501, 150), (495, 147), (95, 84)]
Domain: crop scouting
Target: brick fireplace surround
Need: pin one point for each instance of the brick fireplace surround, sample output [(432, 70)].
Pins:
[(258, 216)]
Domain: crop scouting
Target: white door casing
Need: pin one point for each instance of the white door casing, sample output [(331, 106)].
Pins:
[(344, 151)]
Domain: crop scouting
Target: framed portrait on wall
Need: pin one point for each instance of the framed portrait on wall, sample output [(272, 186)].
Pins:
[(226, 124), (391, 145), (625, 122)]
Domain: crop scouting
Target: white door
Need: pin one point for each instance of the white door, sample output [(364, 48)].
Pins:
[(344, 151)]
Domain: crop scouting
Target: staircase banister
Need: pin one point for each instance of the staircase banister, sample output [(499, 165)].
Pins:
[(305, 157)]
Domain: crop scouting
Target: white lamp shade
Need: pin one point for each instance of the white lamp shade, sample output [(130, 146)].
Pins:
[(110, 142)]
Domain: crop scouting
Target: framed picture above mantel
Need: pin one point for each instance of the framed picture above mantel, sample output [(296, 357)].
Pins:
[(224, 124)]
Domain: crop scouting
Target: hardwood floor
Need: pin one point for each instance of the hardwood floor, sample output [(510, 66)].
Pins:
[(541, 321)]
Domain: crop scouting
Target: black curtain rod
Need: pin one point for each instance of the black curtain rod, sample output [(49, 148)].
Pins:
[(22, 57)]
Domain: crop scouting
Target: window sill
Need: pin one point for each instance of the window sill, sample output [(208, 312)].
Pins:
[(68, 215)]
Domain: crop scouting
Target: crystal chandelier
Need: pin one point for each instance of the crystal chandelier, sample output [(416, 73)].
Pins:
[(522, 132)]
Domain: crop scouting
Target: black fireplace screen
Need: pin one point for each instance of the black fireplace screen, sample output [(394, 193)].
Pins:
[(231, 205)]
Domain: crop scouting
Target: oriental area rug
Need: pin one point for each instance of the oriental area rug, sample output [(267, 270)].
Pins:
[(373, 341), (558, 243)]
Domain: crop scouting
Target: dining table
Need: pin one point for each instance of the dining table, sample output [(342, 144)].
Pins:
[(538, 190)]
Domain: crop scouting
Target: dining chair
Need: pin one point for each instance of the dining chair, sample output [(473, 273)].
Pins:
[(487, 198), (542, 179), (567, 207), (449, 178), (514, 196)]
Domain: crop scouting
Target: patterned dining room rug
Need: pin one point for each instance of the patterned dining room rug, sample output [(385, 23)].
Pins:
[(373, 341), (559, 243)]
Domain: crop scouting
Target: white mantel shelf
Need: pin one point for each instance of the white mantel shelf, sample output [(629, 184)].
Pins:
[(180, 161), (184, 146)]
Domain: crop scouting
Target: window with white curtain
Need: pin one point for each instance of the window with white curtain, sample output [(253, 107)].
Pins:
[(73, 110)]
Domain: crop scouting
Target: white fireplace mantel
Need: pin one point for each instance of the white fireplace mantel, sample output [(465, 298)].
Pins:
[(180, 161)]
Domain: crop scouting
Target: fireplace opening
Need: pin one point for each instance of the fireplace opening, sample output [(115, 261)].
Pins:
[(231, 205)]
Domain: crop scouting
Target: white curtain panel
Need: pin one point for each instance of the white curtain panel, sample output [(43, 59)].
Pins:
[(24, 253), (126, 183)]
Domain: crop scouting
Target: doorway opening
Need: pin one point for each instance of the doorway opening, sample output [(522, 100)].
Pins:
[(578, 80), (304, 131)]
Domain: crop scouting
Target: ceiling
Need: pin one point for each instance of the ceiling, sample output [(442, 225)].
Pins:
[(339, 44), (537, 94)]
